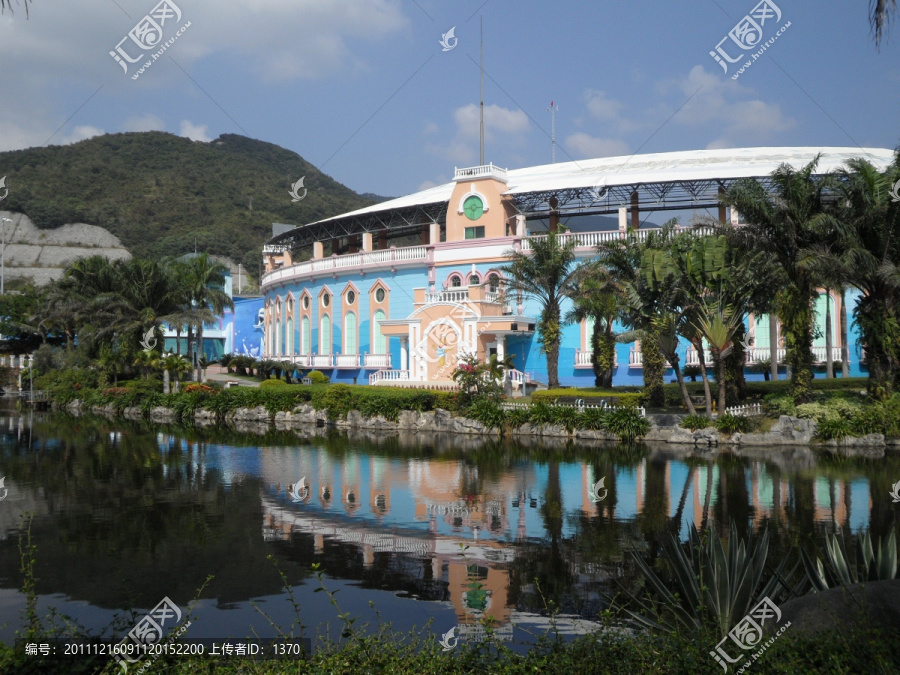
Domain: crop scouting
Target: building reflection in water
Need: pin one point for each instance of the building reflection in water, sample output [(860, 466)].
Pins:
[(429, 509)]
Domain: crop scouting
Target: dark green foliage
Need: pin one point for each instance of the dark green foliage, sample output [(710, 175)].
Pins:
[(733, 424), (272, 384), (488, 412), (694, 422), (166, 195), (627, 423), (835, 428)]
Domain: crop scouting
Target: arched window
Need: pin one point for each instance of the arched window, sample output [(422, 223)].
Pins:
[(289, 342), (304, 335), (325, 335), (474, 280), (493, 283), (277, 346), (455, 281), (588, 333), (350, 333), (379, 345)]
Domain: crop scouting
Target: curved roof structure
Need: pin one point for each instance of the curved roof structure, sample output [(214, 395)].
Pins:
[(662, 181)]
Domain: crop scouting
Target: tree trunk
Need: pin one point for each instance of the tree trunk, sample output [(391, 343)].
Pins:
[(845, 347), (166, 385), (199, 352), (773, 345), (673, 359), (723, 385), (553, 365), (829, 363), (654, 370), (707, 394), (177, 341)]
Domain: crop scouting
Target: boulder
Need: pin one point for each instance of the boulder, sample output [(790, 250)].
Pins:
[(793, 430), (876, 603)]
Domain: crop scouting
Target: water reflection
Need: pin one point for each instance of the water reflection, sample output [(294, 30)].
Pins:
[(126, 513)]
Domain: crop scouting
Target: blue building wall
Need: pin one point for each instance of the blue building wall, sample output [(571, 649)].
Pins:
[(401, 284)]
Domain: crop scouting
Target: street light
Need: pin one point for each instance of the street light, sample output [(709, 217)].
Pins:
[(3, 254)]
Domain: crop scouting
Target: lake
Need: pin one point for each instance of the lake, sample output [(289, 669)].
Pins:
[(448, 530)]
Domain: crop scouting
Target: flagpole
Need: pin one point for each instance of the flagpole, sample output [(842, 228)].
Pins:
[(481, 134)]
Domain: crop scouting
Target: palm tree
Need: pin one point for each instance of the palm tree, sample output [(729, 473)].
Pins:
[(204, 283), (881, 12), (860, 246), (594, 297), (780, 224), (622, 260), (173, 364), (545, 274)]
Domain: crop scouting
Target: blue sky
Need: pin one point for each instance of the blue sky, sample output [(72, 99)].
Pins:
[(363, 89)]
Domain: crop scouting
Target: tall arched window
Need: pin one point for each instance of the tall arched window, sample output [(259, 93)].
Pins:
[(325, 335), (304, 335), (289, 342), (350, 333), (277, 347), (455, 281), (493, 283), (379, 344)]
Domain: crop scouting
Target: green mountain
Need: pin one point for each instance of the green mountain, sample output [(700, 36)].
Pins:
[(162, 194)]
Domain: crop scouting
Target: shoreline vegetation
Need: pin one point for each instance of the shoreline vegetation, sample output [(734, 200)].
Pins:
[(840, 415)]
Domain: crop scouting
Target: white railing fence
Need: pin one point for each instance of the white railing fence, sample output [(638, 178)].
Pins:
[(748, 410), (507, 405)]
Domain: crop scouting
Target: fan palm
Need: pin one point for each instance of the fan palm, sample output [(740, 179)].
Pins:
[(204, 283)]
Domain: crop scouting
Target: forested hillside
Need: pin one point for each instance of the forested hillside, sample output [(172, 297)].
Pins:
[(162, 194)]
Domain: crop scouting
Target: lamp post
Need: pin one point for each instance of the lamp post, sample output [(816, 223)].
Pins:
[(3, 254)]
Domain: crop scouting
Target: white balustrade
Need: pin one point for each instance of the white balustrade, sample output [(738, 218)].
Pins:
[(692, 357), (583, 358), (389, 376), (350, 260), (820, 352), (321, 361), (377, 361), (347, 360), (480, 171)]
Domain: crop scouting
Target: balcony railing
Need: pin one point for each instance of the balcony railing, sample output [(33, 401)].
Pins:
[(692, 357), (636, 359), (592, 239), (583, 358), (351, 260), (389, 376), (460, 295), (480, 172), (377, 361), (347, 360)]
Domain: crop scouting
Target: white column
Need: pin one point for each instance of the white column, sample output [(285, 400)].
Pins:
[(501, 348), (623, 218), (520, 225), (404, 353), (735, 216)]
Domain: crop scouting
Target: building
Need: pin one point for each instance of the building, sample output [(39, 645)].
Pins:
[(396, 292)]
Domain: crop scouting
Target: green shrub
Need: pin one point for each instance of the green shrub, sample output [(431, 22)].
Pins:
[(733, 424), (336, 401), (622, 399), (540, 413), (270, 384), (318, 377), (594, 419), (626, 423), (488, 412), (517, 417), (566, 416), (834, 428), (816, 411), (694, 422), (779, 404), (447, 400)]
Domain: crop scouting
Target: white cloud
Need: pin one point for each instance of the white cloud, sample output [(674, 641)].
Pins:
[(728, 109), (196, 132), (602, 107), (504, 124), (146, 122), (496, 120), (586, 146)]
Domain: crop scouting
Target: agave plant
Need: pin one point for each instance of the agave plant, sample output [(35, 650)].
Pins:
[(870, 565), (711, 584)]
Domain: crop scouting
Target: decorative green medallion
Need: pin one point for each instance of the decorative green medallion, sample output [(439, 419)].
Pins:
[(473, 207)]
